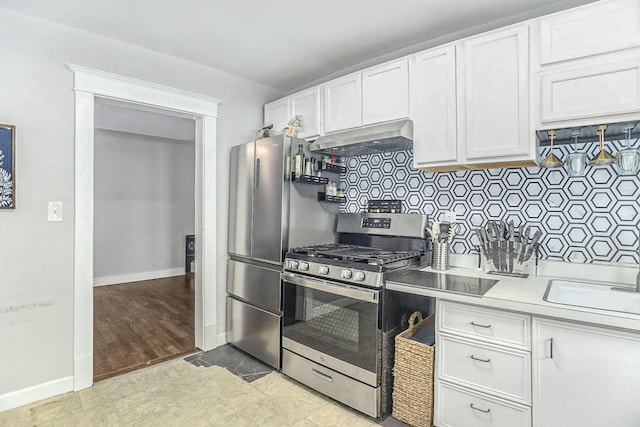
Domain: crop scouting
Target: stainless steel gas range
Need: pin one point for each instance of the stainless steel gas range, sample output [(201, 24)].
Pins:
[(339, 320)]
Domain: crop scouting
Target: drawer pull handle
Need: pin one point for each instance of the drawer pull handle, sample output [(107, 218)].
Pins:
[(486, 411), (551, 348), (479, 325), (321, 375), (480, 360)]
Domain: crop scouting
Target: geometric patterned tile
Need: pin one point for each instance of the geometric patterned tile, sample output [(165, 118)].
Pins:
[(592, 218)]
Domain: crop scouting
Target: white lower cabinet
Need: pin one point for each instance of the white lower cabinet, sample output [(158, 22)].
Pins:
[(575, 375), (462, 407), (584, 376), (483, 367)]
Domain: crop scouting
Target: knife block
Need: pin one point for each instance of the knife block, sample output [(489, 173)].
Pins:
[(507, 261)]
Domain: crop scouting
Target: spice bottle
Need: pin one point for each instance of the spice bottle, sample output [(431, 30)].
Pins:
[(299, 166), (307, 167)]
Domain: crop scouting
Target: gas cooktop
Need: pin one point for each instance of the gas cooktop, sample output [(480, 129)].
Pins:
[(360, 265), (355, 254)]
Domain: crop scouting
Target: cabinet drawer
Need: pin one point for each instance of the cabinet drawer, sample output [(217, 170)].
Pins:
[(458, 407), (494, 326), (498, 371), (344, 389)]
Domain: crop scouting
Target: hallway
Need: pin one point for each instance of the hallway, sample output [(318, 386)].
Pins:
[(142, 323)]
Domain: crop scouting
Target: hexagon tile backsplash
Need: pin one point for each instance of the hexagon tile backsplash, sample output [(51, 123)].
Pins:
[(593, 218)]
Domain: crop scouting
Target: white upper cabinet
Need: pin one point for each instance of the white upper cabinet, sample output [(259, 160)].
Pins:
[(591, 93), (343, 103), (433, 107), (385, 92), (470, 103), (601, 27), (493, 88), (378, 94), (307, 104), (278, 114), (588, 63), (584, 376)]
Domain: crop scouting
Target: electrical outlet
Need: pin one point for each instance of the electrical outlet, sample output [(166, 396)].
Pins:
[(450, 216), (55, 211)]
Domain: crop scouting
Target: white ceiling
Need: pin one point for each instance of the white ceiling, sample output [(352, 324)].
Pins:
[(285, 44)]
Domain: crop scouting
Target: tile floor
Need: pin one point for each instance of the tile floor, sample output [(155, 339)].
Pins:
[(178, 393)]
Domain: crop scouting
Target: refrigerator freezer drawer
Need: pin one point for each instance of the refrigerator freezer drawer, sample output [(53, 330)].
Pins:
[(257, 285), (254, 331)]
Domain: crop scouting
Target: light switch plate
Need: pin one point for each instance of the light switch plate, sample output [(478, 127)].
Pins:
[(450, 216), (55, 211)]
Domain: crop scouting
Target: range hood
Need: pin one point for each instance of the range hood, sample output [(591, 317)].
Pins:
[(383, 137)]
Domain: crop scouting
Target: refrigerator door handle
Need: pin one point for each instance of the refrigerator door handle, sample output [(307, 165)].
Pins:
[(332, 288), (257, 172)]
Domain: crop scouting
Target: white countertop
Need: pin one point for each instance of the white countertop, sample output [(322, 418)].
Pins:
[(526, 295)]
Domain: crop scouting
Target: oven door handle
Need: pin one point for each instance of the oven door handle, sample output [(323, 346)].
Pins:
[(337, 289)]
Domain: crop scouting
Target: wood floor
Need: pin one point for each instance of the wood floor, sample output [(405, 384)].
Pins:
[(141, 323)]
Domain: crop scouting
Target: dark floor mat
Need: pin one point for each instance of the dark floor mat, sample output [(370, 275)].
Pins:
[(233, 360)]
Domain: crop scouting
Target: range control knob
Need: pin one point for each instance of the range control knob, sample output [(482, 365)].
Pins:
[(346, 274), (304, 266), (360, 276), (293, 265), (324, 269)]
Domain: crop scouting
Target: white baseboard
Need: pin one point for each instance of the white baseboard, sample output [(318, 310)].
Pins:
[(135, 277), (83, 372), (37, 392)]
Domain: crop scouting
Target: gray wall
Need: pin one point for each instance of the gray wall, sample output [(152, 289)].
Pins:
[(144, 204), (36, 256)]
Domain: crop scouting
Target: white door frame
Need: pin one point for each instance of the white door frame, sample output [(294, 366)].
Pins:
[(89, 84)]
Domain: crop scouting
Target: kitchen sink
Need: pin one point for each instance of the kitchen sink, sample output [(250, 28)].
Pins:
[(593, 295)]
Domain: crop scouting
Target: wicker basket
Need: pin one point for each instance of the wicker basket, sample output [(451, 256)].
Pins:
[(413, 376)]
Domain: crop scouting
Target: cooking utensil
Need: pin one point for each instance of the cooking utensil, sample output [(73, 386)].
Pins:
[(453, 230), (487, 243), (436, 230), (510, 253), (524, 240), (445, 226), (532, 246), (481, 243)]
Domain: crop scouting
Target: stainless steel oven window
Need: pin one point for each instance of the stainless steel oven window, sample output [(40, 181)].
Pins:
[(338, 321)]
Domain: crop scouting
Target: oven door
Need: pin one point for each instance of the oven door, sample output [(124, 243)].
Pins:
[(333, 324)]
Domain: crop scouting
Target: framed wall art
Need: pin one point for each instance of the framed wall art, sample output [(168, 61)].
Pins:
[(7, 166)]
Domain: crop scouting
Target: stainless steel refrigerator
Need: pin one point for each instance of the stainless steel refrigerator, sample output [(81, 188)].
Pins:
[(268, 214)]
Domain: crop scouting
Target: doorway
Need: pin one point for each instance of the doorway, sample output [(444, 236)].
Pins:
[(144, 214), (89, 84)]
